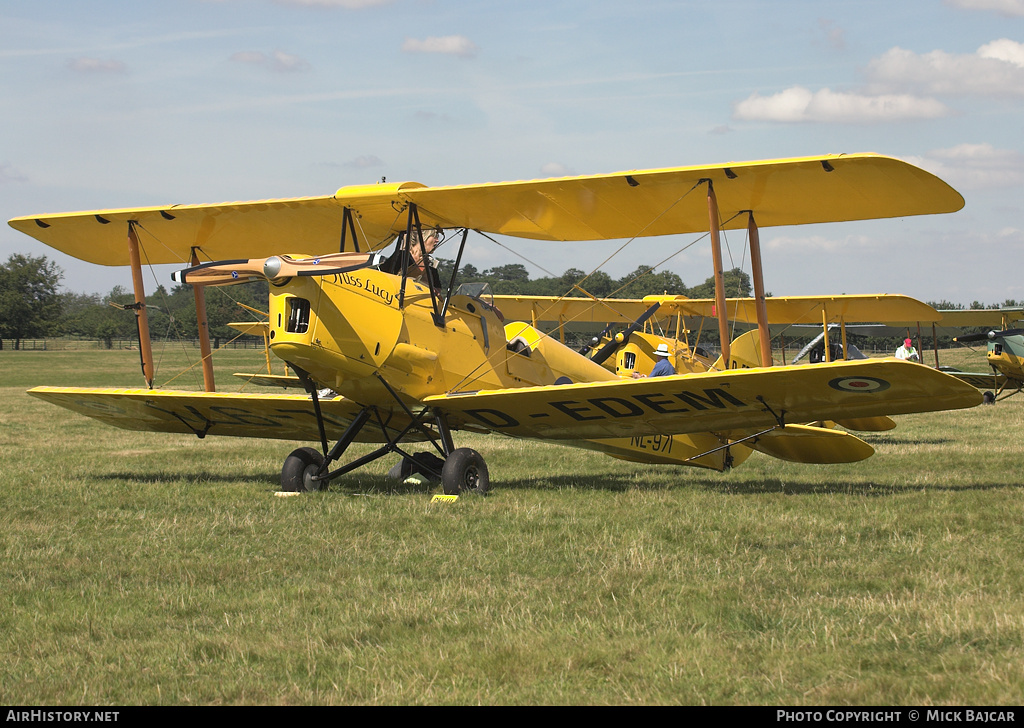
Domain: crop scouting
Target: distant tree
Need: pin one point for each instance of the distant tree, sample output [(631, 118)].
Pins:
[(736, 283), (77, 308), (512, 272), (945, 305), (112, 319), (176, 312), (599, 284), (635, 284), (30, 304), (570, 278), (445, 266), (644, 281)]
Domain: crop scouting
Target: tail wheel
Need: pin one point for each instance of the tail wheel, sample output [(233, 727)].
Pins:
[(299, 469), (464, 471)]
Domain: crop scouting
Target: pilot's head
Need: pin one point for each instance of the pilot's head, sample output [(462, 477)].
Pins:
[(431, 238)]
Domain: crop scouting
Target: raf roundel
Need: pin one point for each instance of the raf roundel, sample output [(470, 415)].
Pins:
[(859, 384)]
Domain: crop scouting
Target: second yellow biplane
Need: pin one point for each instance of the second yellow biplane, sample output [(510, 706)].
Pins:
[(1005, 355), (387, 358)]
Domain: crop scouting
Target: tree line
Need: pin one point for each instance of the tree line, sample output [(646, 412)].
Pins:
[(33, 304)]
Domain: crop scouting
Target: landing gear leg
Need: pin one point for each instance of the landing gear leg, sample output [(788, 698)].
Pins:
[(463, 471)]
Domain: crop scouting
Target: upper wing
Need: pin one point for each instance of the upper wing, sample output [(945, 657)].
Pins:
[(991, 317), (808, 309), (225, 230), (278, 416), (830, 188), (827, 188), (781, 310), (740, 399), (571, 310)]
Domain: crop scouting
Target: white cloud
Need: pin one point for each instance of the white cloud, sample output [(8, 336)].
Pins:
[(8, 174), (96, 65), (902, 85), (1008, 8), (798, 104), (365, 162), (453, 45), (803, 244), (995, 69), (975, 166), (555, 169), (1004, 49), (276, 61)]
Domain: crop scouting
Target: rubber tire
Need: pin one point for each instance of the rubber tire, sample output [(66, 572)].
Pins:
[(298, 468), (464, 471)]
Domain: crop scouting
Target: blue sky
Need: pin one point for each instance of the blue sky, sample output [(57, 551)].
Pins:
[(116, 104)]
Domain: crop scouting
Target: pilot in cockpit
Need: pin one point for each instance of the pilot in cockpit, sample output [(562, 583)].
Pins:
[(418, 269)]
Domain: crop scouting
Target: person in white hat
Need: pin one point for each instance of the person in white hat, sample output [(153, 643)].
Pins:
[(663, 367)]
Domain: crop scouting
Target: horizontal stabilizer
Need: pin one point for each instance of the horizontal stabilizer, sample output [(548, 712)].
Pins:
[(868, 424), (806, 444), (981, 380)]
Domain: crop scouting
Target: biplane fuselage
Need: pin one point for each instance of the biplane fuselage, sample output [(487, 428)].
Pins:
[(1006, 355), (347, 332), (1005, 349)]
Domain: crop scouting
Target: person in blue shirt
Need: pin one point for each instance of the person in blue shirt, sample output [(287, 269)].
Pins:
[(664, 366)]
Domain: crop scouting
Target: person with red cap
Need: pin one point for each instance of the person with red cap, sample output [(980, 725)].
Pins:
[(907, 351)]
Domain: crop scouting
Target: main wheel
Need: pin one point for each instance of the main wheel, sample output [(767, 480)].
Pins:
[(299, 469), (464, 471)]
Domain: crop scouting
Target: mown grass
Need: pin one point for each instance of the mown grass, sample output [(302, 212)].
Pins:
[(139, 568)]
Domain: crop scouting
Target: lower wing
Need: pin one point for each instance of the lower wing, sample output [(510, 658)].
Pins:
[(736, 400), (278, 416)]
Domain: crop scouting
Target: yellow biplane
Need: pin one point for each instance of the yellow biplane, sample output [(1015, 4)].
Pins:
[(388, 358), (1005, 355)]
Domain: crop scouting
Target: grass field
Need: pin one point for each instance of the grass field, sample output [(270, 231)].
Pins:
[(151, 569)]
